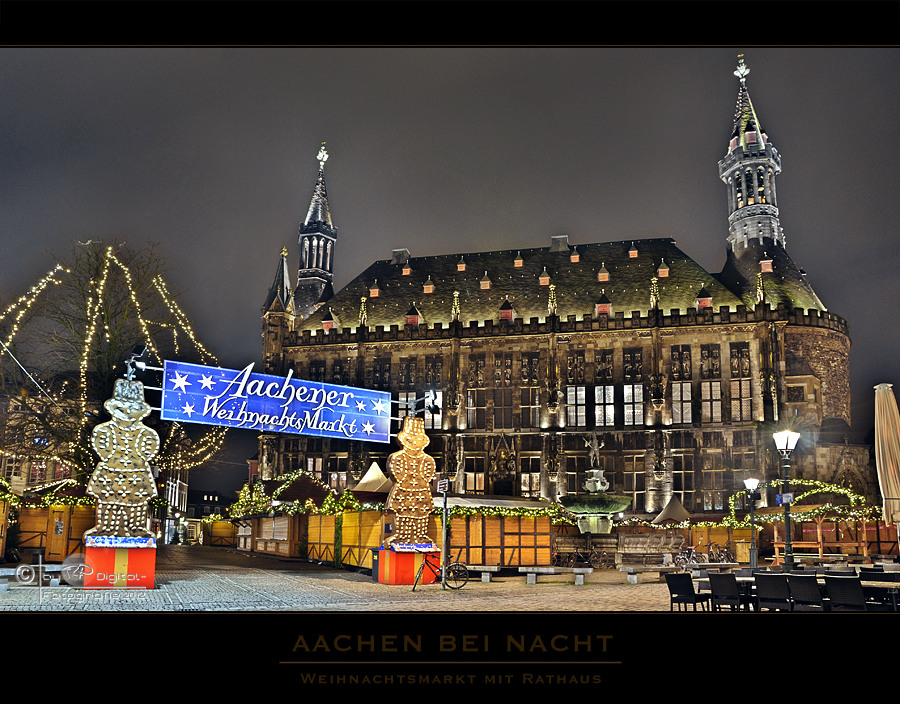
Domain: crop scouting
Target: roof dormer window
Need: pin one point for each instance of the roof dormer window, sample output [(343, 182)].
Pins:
[(765, 264), (485, 281), (663, 270), (374, 290), (574, 257), (603, 274), (704, 299), (428, 287), (632, 253), (603, 306), (544, 278), (461, 264), (507, 312), (407, 269), (413, 317), (328, 322), (518, 261)]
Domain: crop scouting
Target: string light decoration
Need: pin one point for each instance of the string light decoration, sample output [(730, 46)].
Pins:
[(73, 330)]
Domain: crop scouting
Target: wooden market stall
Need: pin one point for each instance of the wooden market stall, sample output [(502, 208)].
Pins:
[(826, 534)]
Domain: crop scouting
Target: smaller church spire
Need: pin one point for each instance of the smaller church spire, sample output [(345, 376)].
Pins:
[(280, 296)]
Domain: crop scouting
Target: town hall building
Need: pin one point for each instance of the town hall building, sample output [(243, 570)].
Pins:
[(547, 362)]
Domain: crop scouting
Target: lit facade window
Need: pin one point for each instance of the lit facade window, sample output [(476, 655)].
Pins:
[(576, 406), (503, 409), (711, 401), (530, 476), (681, 402), (475, 470), (604, 406), (531, 407)]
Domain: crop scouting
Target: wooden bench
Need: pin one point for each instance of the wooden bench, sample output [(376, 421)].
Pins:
[(486, 571), (531, 573), (632, 571)]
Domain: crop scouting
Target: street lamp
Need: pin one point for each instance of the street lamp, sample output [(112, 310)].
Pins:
[(786, 441), (752, 485)]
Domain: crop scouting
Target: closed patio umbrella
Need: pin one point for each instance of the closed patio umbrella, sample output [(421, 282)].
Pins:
[(887, 451)]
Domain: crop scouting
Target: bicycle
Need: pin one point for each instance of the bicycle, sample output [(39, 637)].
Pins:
[(717, 553), (690, 556), (594, 558), (457, 574)]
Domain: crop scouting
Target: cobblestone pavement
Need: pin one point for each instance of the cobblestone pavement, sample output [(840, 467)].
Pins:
[(196, 578)]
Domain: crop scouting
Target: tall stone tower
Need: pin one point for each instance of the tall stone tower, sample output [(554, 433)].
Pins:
[(318, 237), (807, 361), (758, 266)]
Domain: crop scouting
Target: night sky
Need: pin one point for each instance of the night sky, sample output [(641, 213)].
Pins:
[(212, 154)]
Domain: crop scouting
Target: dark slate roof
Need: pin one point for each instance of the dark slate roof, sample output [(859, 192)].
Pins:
[(784, 284), (577, 289)]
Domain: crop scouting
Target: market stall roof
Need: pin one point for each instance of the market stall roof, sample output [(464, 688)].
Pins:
[(778, 511), (674, 511), (373, 480), (493, 501)]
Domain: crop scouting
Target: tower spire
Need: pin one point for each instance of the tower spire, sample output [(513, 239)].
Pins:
[(280, 296), (749, 169), (317, 239), (756, 241)]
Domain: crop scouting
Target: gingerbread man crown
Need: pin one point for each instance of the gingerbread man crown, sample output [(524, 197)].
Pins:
[(127, 390)]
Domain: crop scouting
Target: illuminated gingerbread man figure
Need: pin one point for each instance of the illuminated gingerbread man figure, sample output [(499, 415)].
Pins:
[(413, 470), (122, 482)]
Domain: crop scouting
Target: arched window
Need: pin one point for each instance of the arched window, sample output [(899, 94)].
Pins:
[(761, 185)]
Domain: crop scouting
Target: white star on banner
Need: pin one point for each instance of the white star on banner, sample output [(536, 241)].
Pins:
[(206, 382), (188, 409), (360, 405), (368, 428), (379, 406), (181, 382)]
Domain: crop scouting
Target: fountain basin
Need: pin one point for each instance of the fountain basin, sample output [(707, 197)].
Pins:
[(593, 512)]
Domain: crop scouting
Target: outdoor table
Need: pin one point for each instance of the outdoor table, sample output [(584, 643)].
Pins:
[(878, 590)]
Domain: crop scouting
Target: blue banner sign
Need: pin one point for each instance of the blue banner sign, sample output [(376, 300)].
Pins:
[(193, 393)]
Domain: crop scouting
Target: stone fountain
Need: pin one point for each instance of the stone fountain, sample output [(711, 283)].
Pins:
[(594, 509)]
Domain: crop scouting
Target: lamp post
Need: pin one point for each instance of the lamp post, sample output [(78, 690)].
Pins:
[(786, 441), (752, 485)]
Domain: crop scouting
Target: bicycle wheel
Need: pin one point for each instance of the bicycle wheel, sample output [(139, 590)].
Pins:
[(457, 575), (418, 575)]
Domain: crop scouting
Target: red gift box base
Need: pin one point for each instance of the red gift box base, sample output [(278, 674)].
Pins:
[(401, 568), (120, 568)]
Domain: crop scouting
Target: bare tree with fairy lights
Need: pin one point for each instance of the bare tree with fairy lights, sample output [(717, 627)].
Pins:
[(64, 343)]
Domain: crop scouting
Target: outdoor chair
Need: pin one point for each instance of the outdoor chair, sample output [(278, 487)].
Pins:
[(772, 592), (806, 593), (869, 569), (878, 576), (846, 594), (681, 592), (725, 592)]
